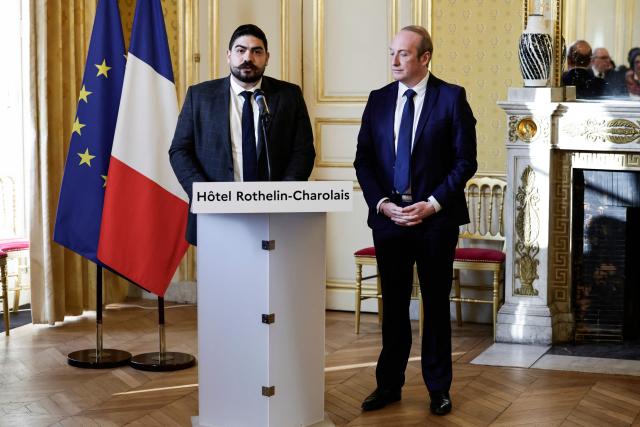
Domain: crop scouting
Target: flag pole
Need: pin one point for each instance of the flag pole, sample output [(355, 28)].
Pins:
[(162, 360), (98, 358)]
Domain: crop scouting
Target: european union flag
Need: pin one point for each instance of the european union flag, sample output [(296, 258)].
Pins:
[(85, 174)]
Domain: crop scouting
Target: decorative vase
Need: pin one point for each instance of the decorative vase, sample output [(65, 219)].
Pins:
[(535, 53)]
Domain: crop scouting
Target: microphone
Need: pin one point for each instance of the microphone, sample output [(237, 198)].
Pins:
[(262, 103), (265, 117)]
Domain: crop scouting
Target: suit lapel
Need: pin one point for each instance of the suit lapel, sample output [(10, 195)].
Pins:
[(388, 118), (430, 99), (221, 99)]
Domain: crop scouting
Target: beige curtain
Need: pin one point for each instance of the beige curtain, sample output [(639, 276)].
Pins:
[(62, 283)]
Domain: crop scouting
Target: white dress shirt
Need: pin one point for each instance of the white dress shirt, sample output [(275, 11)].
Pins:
[(418, 101), (235, 118)]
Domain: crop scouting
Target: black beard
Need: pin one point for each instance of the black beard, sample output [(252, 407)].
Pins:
[(237, 73)]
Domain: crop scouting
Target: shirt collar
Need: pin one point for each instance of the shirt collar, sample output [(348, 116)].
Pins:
[(420, 88), (237, 89)]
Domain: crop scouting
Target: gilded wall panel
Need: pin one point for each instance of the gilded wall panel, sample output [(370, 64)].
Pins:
[(475, 46), (560, 247)]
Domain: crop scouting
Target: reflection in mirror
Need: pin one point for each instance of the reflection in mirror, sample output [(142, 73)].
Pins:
[(603, 55)]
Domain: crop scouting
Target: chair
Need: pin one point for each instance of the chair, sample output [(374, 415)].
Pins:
[(367, 256), (485, 201), (4, 295), (15, 247)]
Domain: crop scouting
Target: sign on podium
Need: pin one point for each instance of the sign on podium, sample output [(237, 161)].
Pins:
[(261, 300)]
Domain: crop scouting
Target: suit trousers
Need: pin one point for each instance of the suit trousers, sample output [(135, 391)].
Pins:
[(432, 249)]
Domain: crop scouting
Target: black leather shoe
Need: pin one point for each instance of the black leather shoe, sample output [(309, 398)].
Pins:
[(380, 398), (440, 402)]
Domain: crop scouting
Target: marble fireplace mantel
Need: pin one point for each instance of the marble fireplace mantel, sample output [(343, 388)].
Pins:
[(547, 137)]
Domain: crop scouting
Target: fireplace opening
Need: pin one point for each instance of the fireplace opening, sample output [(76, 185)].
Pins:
[(606, 256)]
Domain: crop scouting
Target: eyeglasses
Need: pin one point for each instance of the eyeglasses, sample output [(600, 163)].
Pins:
[(601, 57)]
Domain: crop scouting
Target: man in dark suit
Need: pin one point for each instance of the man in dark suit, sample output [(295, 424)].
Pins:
[(580, 74), (219, 136), (603, 68), (416, 151)]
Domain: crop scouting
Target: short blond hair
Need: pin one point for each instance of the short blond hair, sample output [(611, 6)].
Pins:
[(426, 45)]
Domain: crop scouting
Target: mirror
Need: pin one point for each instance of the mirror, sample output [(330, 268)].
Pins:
[(613, 71), (602, 24)]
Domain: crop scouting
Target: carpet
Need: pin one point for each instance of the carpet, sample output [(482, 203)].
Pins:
[(22, 317)]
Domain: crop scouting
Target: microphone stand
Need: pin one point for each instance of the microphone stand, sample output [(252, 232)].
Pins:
[(264, 121)]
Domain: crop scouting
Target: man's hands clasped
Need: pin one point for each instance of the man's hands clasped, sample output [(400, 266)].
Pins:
[(409, 215)]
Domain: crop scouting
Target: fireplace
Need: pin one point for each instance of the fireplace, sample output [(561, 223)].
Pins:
[(571, 219), (605, 262)]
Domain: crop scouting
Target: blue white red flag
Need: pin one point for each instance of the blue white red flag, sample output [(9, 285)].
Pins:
[(145, 208)]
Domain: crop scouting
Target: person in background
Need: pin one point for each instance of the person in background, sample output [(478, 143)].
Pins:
[(632, 77), (580, 74), (601, 62), (603, 67)]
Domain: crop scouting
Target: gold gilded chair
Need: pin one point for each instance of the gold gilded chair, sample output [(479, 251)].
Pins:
[(3, 282), (481, 244), (15, 247), (367, 257)]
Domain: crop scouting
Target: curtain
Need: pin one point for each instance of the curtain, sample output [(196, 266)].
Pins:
[(62, 283)]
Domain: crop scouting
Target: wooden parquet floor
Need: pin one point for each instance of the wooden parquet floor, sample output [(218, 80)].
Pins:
[(38, 388)]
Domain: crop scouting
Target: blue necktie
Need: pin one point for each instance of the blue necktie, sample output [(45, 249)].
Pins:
[(402, 170), (249, 156)]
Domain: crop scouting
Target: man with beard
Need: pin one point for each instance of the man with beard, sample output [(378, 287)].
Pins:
[(219, 134)]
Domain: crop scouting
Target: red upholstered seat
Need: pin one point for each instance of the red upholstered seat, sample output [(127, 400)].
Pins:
[(370, 252), (479, 255), (14, 244)]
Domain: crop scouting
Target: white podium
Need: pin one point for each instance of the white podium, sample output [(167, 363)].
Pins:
[(261, 301)]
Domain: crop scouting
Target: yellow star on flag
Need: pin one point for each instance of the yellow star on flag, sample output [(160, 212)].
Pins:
[(105, 180), (83, 94), (102, 68), (77, 126), (85, 158)]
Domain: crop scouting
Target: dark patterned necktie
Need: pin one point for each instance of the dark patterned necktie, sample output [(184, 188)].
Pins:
[(402, 170), (249, 156)]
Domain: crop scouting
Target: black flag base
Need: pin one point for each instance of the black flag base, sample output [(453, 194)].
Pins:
[(108, 358), (98, 358), (162, 361)]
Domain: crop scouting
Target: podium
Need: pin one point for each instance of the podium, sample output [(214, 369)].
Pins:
[(261, 301)]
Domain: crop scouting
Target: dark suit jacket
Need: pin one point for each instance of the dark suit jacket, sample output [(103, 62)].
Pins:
[(443, 157), (615, 85), (201, 147), (586, 83)]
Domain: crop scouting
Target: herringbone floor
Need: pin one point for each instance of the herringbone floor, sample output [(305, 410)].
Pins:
[(38, 388)]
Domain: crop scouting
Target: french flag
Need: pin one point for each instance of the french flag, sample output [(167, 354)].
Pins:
[(142, 235)]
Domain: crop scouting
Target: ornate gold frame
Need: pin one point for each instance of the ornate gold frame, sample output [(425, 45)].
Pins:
[(317, 125), (417, 9), (556, 11)]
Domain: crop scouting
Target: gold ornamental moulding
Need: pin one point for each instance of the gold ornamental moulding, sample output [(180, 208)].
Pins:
[(616, 131), (526, 129), (318, 124), (527, 230), (417, 10)]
